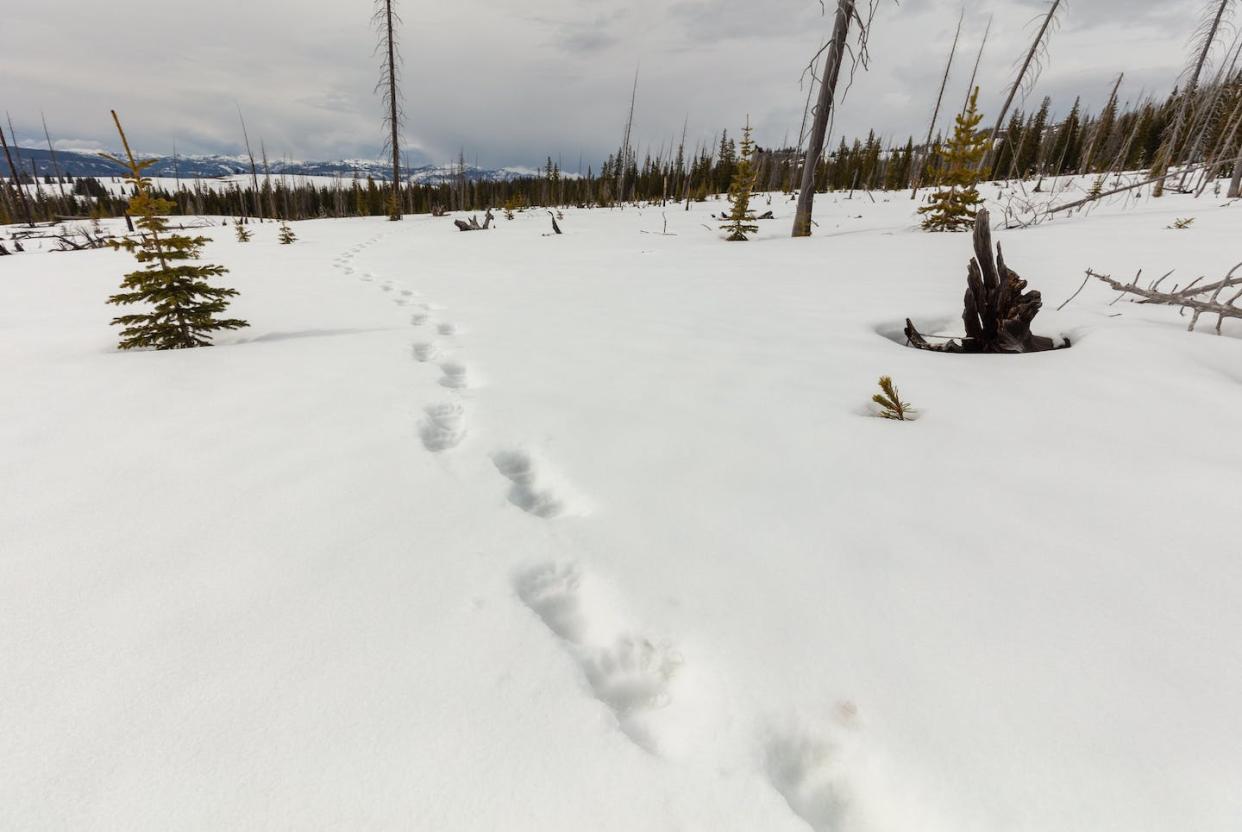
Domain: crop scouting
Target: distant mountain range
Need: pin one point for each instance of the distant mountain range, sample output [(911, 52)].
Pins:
[(82, 163)]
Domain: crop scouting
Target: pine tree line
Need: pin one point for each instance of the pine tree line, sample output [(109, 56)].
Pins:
[(1122, 136)]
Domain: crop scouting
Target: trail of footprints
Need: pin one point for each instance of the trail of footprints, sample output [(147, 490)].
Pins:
[(443, 425), (633, 675), (636, 677)]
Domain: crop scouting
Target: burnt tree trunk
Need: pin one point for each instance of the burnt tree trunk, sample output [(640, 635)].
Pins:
[(997, 312)]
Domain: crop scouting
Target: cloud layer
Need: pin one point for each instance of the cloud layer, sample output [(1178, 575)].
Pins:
[(510, 83)]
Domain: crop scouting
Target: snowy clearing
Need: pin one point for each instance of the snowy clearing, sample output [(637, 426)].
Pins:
[(595, 532)]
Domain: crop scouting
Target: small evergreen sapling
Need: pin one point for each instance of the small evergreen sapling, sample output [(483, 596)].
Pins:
[(741, 219), (891, 405), (243, 233), (954, 205), (183, 305), (286, 235)]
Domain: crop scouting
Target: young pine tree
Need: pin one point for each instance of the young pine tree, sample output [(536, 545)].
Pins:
[(243, 233), (183, 306), (742, 220), (954, 205), (286, 235)]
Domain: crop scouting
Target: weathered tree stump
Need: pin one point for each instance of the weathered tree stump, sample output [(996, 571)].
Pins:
[(473, 224), (997, 311)]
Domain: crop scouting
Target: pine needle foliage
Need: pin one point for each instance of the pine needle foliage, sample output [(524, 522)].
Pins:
[(891, 405), (741, 219), (183, 306), (954, 205), (243, 233), (286, 235)]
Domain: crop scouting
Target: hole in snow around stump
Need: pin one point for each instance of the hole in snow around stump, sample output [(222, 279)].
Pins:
[(945, 329)]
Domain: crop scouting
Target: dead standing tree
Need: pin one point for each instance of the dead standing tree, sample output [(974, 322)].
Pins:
[(254, 169), (846, 12), (625, 156), (1027, 75), (1204, 39), (386, 20), (15, 174), (921, 168), (975, 72)]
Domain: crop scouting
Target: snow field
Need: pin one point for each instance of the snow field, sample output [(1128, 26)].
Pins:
[(505, 531)]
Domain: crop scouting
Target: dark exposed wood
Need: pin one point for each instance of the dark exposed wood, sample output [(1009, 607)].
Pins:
[(555, 227), (997, 311)]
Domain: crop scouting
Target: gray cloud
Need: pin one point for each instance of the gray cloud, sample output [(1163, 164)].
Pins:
[(511, 84)]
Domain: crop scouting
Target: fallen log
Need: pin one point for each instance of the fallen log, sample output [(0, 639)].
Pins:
[(997, 311), (473, 223), (1198, 298)]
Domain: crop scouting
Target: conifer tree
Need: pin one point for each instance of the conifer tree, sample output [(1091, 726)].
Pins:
[(183, 305), (1030, 151), (286, 235), (742, 219), (243, 233), (954, 205)]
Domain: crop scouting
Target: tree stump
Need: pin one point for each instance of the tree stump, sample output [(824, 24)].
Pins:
[(473, 224), (997, 311)]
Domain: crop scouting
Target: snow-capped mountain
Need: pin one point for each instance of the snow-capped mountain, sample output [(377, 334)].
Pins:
[(84, 163)]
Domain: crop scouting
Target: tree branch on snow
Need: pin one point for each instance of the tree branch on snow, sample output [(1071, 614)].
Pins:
[(1198, 298)]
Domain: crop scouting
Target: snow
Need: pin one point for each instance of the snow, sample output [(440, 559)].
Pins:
[(517, 531)]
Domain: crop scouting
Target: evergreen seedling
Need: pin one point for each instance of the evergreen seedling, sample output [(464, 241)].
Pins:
[(183, 306), (286, 235), (243, 233), (741, 219), (954, 205), (891, 405)]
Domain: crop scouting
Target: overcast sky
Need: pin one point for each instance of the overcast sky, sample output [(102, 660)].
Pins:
[(512, 82)]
